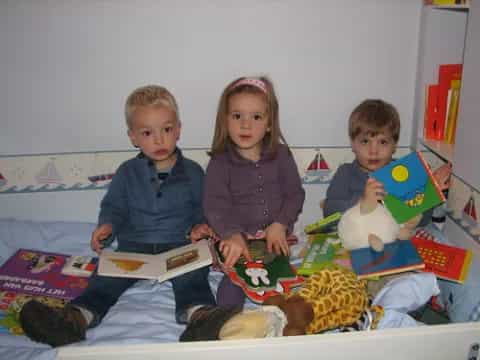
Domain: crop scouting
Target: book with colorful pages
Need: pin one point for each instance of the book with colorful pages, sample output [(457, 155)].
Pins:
[(325, 250), (266, 275)]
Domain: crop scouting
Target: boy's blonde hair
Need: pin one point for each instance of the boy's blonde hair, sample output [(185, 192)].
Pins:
[(150, 95), (261, 86), (372, 117)]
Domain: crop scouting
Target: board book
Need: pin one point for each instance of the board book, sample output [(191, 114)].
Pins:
[(161, 267), (397, 257), (11, 303), (37, 272), (445, 261), (410, 187), (328, 224), (325, 250), (266, 275), (33, 274), (80, 265)]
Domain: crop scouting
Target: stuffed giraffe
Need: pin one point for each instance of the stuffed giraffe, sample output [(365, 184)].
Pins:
[(329, 299)]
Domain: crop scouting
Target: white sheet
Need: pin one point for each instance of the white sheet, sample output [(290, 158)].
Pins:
[(143, 314)]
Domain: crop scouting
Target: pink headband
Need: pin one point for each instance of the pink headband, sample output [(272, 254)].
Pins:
[(259, 84)]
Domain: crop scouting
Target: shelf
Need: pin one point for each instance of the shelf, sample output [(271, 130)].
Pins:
[(451, 7), (440, 148)]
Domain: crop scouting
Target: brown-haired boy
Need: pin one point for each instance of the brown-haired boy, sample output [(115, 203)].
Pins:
[(374, 130)]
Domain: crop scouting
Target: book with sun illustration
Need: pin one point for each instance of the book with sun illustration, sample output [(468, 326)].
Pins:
[(266, 275), (159, 267), (410, 186)]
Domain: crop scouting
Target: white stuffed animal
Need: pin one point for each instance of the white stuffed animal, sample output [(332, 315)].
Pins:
[(363, 228)]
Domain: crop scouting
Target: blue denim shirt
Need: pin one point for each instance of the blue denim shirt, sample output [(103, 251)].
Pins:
[(143, 210)]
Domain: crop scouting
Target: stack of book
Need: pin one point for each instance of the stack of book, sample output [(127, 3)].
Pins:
[(441, 104)]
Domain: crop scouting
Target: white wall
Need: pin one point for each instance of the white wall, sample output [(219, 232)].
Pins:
[(66, 66)]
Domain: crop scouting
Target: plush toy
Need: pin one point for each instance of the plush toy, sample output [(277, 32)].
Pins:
[(363, 226), (329, 299)]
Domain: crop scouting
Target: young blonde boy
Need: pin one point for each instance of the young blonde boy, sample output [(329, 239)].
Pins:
[(153, 201)]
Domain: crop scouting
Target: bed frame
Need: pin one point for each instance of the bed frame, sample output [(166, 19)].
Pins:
[(455, 341), (440, 342)]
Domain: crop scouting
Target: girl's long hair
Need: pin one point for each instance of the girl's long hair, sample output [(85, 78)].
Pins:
[(272, 138)]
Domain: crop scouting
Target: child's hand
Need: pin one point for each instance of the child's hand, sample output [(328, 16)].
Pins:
[(276, 235), (373, 193), (234, 247), (443, 175), (200, 231), (102, 232)]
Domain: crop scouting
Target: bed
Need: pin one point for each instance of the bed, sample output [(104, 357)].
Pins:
[(142, 325)]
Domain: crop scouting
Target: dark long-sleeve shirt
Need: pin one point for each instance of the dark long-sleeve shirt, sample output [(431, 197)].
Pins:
[(143, 209), (245, 196)]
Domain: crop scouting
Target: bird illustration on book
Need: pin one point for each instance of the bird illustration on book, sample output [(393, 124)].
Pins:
[(318, 170)]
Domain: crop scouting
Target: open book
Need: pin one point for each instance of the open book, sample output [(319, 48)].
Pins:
[(161, 267)]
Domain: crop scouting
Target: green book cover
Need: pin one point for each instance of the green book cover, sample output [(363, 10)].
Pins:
[(326, 225), (410, 186), (325, 250)]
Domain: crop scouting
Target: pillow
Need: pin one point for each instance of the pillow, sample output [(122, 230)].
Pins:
[(60, 237)]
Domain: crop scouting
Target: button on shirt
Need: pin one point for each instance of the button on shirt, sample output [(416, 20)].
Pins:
[(245, 196), (146, 209)]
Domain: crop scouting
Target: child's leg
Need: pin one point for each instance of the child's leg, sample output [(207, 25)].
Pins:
[(229, 294), (191, 289), (63, 326), (101, 294)]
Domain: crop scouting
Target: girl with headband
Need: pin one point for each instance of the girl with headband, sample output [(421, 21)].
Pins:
[(252, 185)]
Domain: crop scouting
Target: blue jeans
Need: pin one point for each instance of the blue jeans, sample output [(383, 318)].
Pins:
[(102, 292)]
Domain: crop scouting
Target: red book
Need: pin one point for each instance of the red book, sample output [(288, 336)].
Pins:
[(446, 73), (445, 261), (431, 120)]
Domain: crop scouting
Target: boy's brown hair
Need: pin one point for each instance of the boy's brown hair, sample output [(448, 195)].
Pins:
[(150, 95), (272, 138), (372, 117)]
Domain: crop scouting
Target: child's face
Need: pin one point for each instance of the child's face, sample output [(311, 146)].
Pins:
[(373, 152), (247, 123), (155, 130)]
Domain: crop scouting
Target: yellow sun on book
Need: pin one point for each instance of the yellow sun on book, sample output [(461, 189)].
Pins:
[(128, 264), (400, 173)]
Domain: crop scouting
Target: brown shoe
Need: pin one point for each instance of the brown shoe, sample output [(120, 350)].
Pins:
[(206, 322), (52, 326)]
